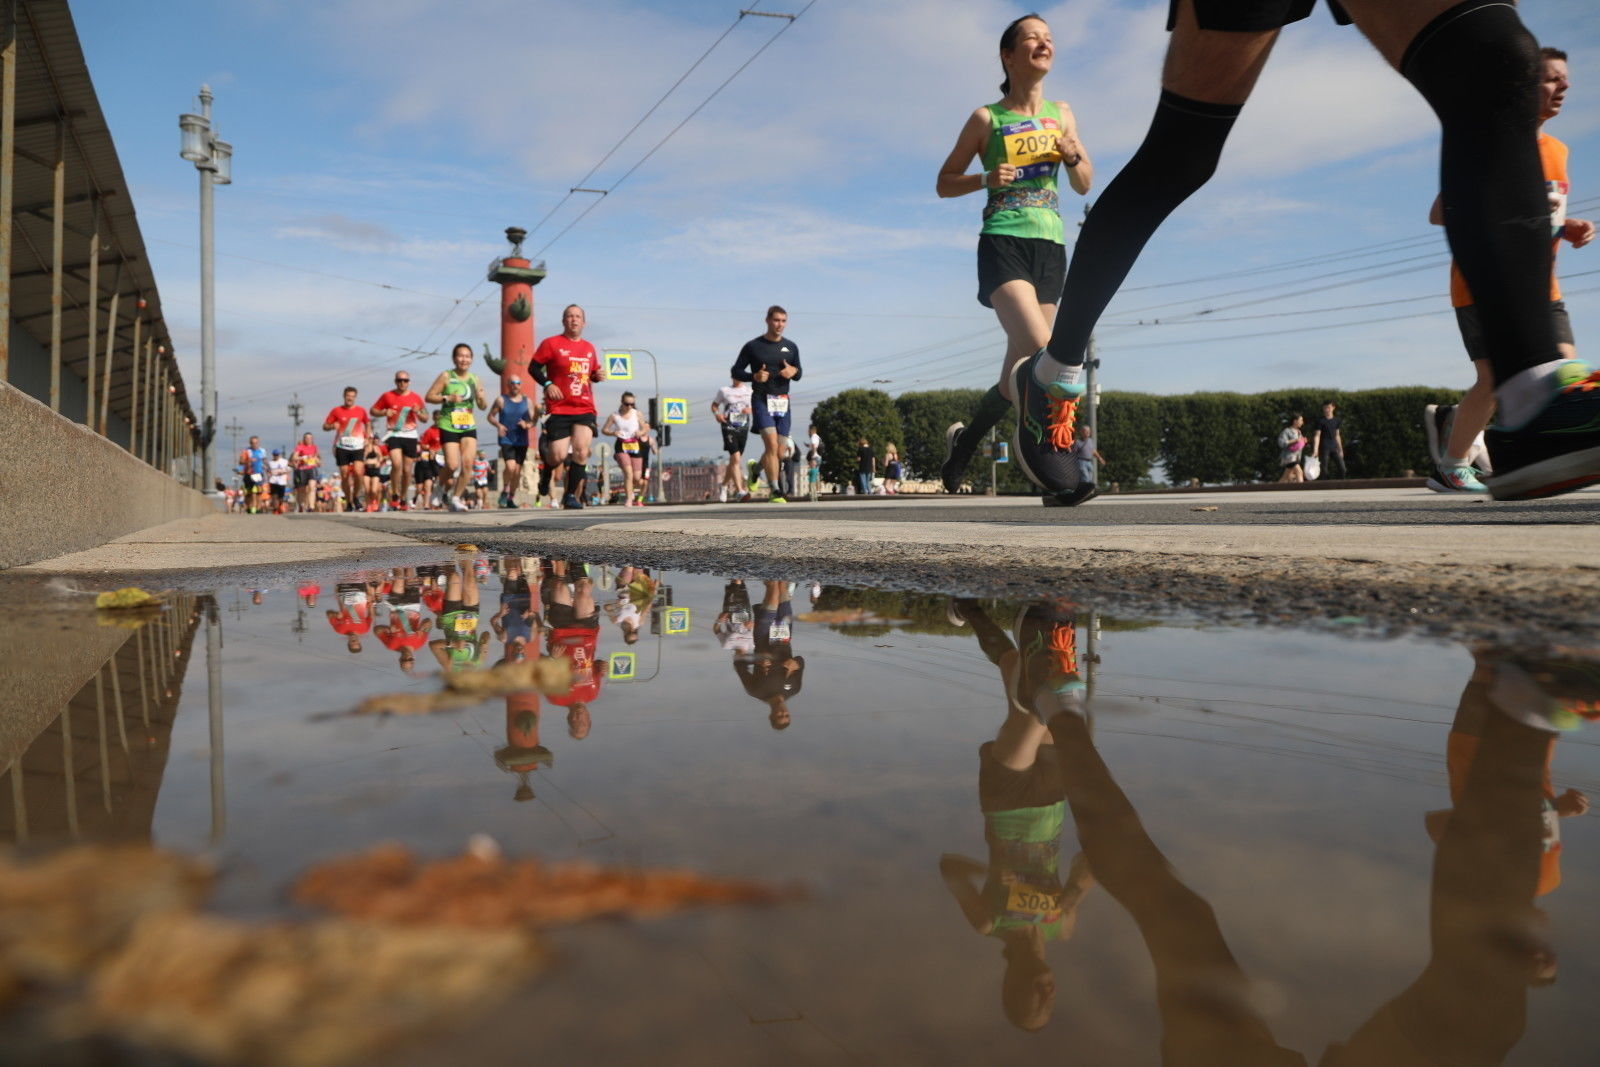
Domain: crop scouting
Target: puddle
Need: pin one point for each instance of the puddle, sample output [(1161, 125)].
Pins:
[(1319, 849)]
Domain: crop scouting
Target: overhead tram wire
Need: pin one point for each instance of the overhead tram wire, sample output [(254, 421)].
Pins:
[(790, 21), (631, 130)]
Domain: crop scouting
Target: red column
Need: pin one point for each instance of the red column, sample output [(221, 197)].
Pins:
[(516, 277)]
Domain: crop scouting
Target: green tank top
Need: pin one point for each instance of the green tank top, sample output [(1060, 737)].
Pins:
[(1024, 883), (456, 414), (1029, 206)]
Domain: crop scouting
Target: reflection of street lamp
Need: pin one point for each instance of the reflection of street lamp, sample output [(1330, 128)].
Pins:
[(214, 160)]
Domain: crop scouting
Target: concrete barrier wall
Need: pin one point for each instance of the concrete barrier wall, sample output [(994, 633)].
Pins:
[(64, 488)]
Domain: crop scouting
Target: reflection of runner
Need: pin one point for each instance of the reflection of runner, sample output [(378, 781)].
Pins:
[(514, 622), (735, 624), (407, 628), (354, 616), (1023, 900), (636, 591), (574, 620), (771, 672), (460, 646)]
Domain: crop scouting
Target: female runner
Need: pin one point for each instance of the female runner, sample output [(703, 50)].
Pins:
[(456, 391), (1021, 142), (629, 428)]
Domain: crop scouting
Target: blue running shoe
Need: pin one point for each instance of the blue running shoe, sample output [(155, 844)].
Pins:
[(1456, 480), (1046, 417), (1556, 451)]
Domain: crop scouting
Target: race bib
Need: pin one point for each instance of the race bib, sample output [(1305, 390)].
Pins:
[(1557, 192), (1030, 146), (464, 624), (738, 419), (1032, 903), (630, 447), (779, 631), (255, 479), (461, 419), (778, 405)]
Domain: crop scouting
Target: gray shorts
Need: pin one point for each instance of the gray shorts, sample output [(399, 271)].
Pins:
[(1472, 329)]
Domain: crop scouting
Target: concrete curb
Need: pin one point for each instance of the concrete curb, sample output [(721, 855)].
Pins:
[(64, 488)]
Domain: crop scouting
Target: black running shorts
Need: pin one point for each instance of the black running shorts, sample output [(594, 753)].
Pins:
[(1002, 788), (447, 437), (734, 438), (566, 617), (1252, 16), (303, 478), (559, 427), (514, 453), (344, 457), (1472, 329), (407, 445), (1003, 258), (423, 471)]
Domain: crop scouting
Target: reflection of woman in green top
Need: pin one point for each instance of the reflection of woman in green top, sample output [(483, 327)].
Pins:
[(461, 645), (1022, 899), (1022, 142), (456, 391)]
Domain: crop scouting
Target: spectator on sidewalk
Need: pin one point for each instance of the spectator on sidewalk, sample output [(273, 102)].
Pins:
[(866, 467), (1327, 444), (1291, 447)]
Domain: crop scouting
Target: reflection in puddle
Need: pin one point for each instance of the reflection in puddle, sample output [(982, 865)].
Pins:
[(1202, 846)]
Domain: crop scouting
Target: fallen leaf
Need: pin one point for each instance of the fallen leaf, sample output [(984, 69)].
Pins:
[(389, 884), (1205, 507), (127, 598), (548, 674), (467, 547), (301, 995)]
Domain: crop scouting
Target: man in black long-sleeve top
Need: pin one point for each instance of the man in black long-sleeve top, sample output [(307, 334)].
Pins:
[(770, 362)]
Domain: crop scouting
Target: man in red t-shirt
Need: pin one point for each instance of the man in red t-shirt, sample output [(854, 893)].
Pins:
[(305, 459), (566, 365), (574, 620), (354, 616), (351, 424), (406, 412)]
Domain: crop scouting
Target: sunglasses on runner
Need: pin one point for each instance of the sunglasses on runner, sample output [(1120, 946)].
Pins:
[(402, 381)]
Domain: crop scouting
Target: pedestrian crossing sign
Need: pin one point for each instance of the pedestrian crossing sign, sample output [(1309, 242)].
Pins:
[(619, 367), (622, 667), (677, 620), (674, 411)]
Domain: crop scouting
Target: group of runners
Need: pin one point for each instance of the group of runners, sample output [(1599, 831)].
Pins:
[(1492, 88)]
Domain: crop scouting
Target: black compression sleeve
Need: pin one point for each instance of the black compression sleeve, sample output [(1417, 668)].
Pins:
[(1478, 68), (1178, 156), (539, 372)]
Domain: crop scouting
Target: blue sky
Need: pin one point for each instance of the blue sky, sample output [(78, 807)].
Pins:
[(381, 147)]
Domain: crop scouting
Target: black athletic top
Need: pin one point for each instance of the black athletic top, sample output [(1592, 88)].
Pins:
[(760, 352)]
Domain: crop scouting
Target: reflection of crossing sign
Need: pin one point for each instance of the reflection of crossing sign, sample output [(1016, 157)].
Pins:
[(677, 620), (622, 666), (674, 411), (619, 366)]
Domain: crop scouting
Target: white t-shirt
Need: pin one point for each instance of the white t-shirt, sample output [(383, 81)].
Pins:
[(734, 401), (814, 447), (278, 471)]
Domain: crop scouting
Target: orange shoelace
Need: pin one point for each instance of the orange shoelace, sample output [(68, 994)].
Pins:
[(1064, 643), (1062, 416)]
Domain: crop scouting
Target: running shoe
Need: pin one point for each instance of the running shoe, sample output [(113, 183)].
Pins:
[(569, 503), (1047, 641), (1085, 491), (1547, 691), (1436, 422), (777, 500), (1456, 480), (957, 457), (1556, 451), (1041, 444)]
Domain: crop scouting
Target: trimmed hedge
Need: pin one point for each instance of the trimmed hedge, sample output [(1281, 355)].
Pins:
[(1217, 438)]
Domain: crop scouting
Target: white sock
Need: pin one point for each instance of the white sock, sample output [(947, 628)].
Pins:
[(1050, 369), (1522, 395), (1455, 461)]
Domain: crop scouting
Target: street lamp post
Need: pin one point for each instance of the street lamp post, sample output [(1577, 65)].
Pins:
[(213, 158)]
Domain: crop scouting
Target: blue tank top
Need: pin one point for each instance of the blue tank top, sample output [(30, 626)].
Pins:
[(258, 460), (511, 413)]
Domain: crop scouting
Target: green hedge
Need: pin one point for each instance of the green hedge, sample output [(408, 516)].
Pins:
[(1218, 438), (843, 419)]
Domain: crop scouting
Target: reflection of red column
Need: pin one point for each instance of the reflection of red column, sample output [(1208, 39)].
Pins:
[(516, 277)]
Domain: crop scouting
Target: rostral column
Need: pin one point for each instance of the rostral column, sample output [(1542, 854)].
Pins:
[(516, 278)]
